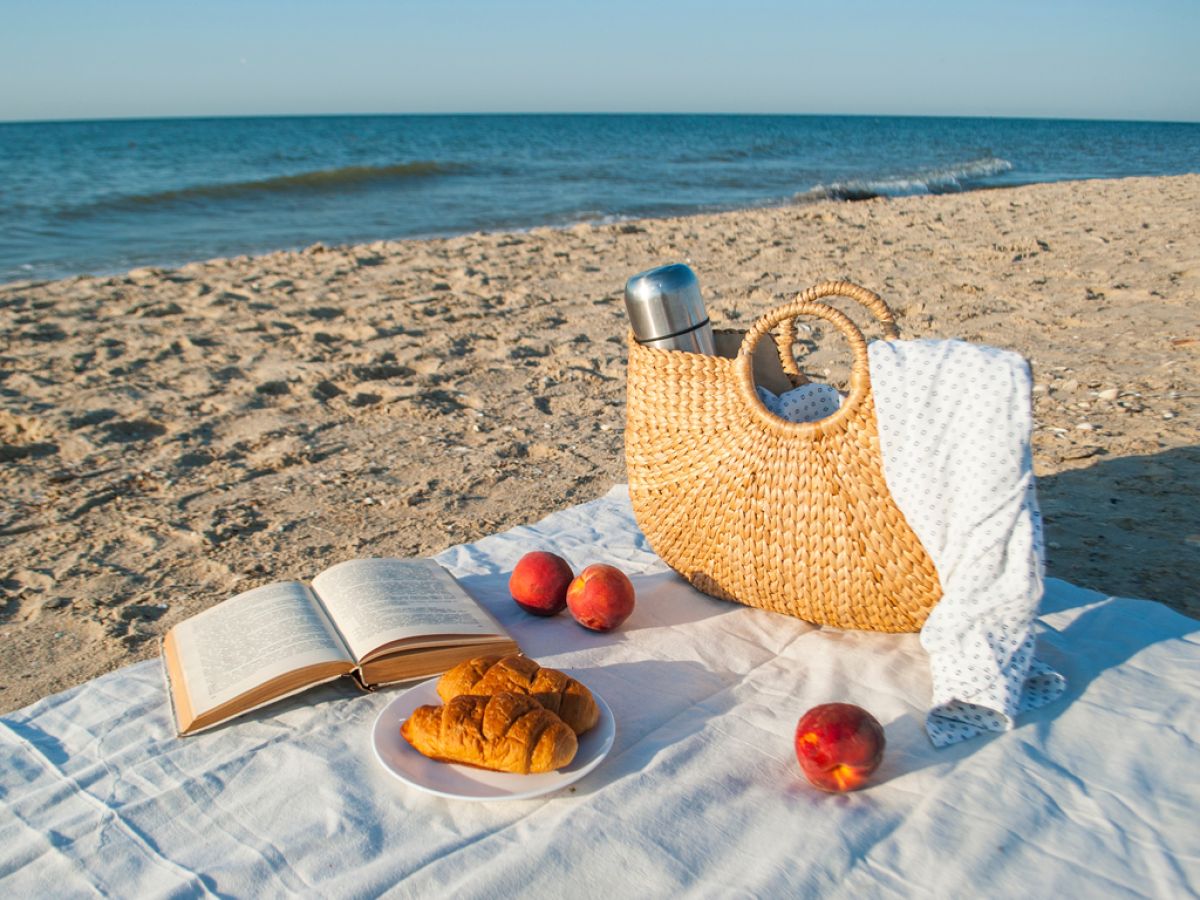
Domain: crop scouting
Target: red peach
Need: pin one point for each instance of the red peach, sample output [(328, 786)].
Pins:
[(539, 583), (601, 597), (839, 745)]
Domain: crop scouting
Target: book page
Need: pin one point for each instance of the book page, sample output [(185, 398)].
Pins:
[(376, 601), (252, 638)]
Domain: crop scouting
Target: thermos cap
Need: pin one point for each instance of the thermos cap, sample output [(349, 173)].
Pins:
[(664, 302)]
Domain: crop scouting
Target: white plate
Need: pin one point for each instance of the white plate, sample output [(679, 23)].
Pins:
[(468, 783)]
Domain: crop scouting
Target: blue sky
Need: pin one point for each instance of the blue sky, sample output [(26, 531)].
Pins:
[(62, 59)]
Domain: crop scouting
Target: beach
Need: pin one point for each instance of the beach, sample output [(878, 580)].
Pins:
[(170, 437)]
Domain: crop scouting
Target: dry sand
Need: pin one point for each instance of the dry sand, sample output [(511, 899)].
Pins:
[(168, 438)]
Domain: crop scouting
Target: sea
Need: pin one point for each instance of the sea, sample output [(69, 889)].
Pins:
[(100, 197)]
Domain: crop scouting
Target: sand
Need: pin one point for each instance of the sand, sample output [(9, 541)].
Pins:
[(169, 438)]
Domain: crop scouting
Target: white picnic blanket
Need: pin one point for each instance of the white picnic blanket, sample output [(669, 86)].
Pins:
[(955, 426), (1095, 795)]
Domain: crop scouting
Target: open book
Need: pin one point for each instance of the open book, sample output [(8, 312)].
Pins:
[(380, 620)]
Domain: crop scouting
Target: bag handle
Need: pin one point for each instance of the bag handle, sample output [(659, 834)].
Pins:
[(872, 301), (860, 379)]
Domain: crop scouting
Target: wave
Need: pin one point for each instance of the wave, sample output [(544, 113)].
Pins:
[(940, 180), (321, 180)]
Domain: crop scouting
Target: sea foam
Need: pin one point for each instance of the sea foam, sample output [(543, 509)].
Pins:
[(938, 180)]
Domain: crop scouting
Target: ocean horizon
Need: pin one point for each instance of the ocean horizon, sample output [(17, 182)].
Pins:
[(104, 196)]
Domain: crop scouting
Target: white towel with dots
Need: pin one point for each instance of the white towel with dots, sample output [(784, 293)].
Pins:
[(955, 426)]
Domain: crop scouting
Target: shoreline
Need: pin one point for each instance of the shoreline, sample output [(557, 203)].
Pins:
[(799, 199), (172, 436)]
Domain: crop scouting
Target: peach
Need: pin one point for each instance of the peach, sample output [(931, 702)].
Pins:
[(839, 745), (601, 597), (539, 583)]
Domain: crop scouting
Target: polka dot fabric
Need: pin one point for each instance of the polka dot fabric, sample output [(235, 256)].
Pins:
[(955, 424), (807, 403)]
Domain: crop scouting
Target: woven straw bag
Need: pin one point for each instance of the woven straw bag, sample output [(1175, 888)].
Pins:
[(793, 517)]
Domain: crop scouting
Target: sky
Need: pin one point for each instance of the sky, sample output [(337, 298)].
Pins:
[(69, 59)]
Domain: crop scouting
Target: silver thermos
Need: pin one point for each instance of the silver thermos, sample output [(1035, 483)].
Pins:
[(666, 310)]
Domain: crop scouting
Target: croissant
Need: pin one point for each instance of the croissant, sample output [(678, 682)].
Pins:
[(555, 690), (505, 732)]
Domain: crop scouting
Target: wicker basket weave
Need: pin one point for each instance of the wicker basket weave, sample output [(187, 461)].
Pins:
[(793, 517)]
